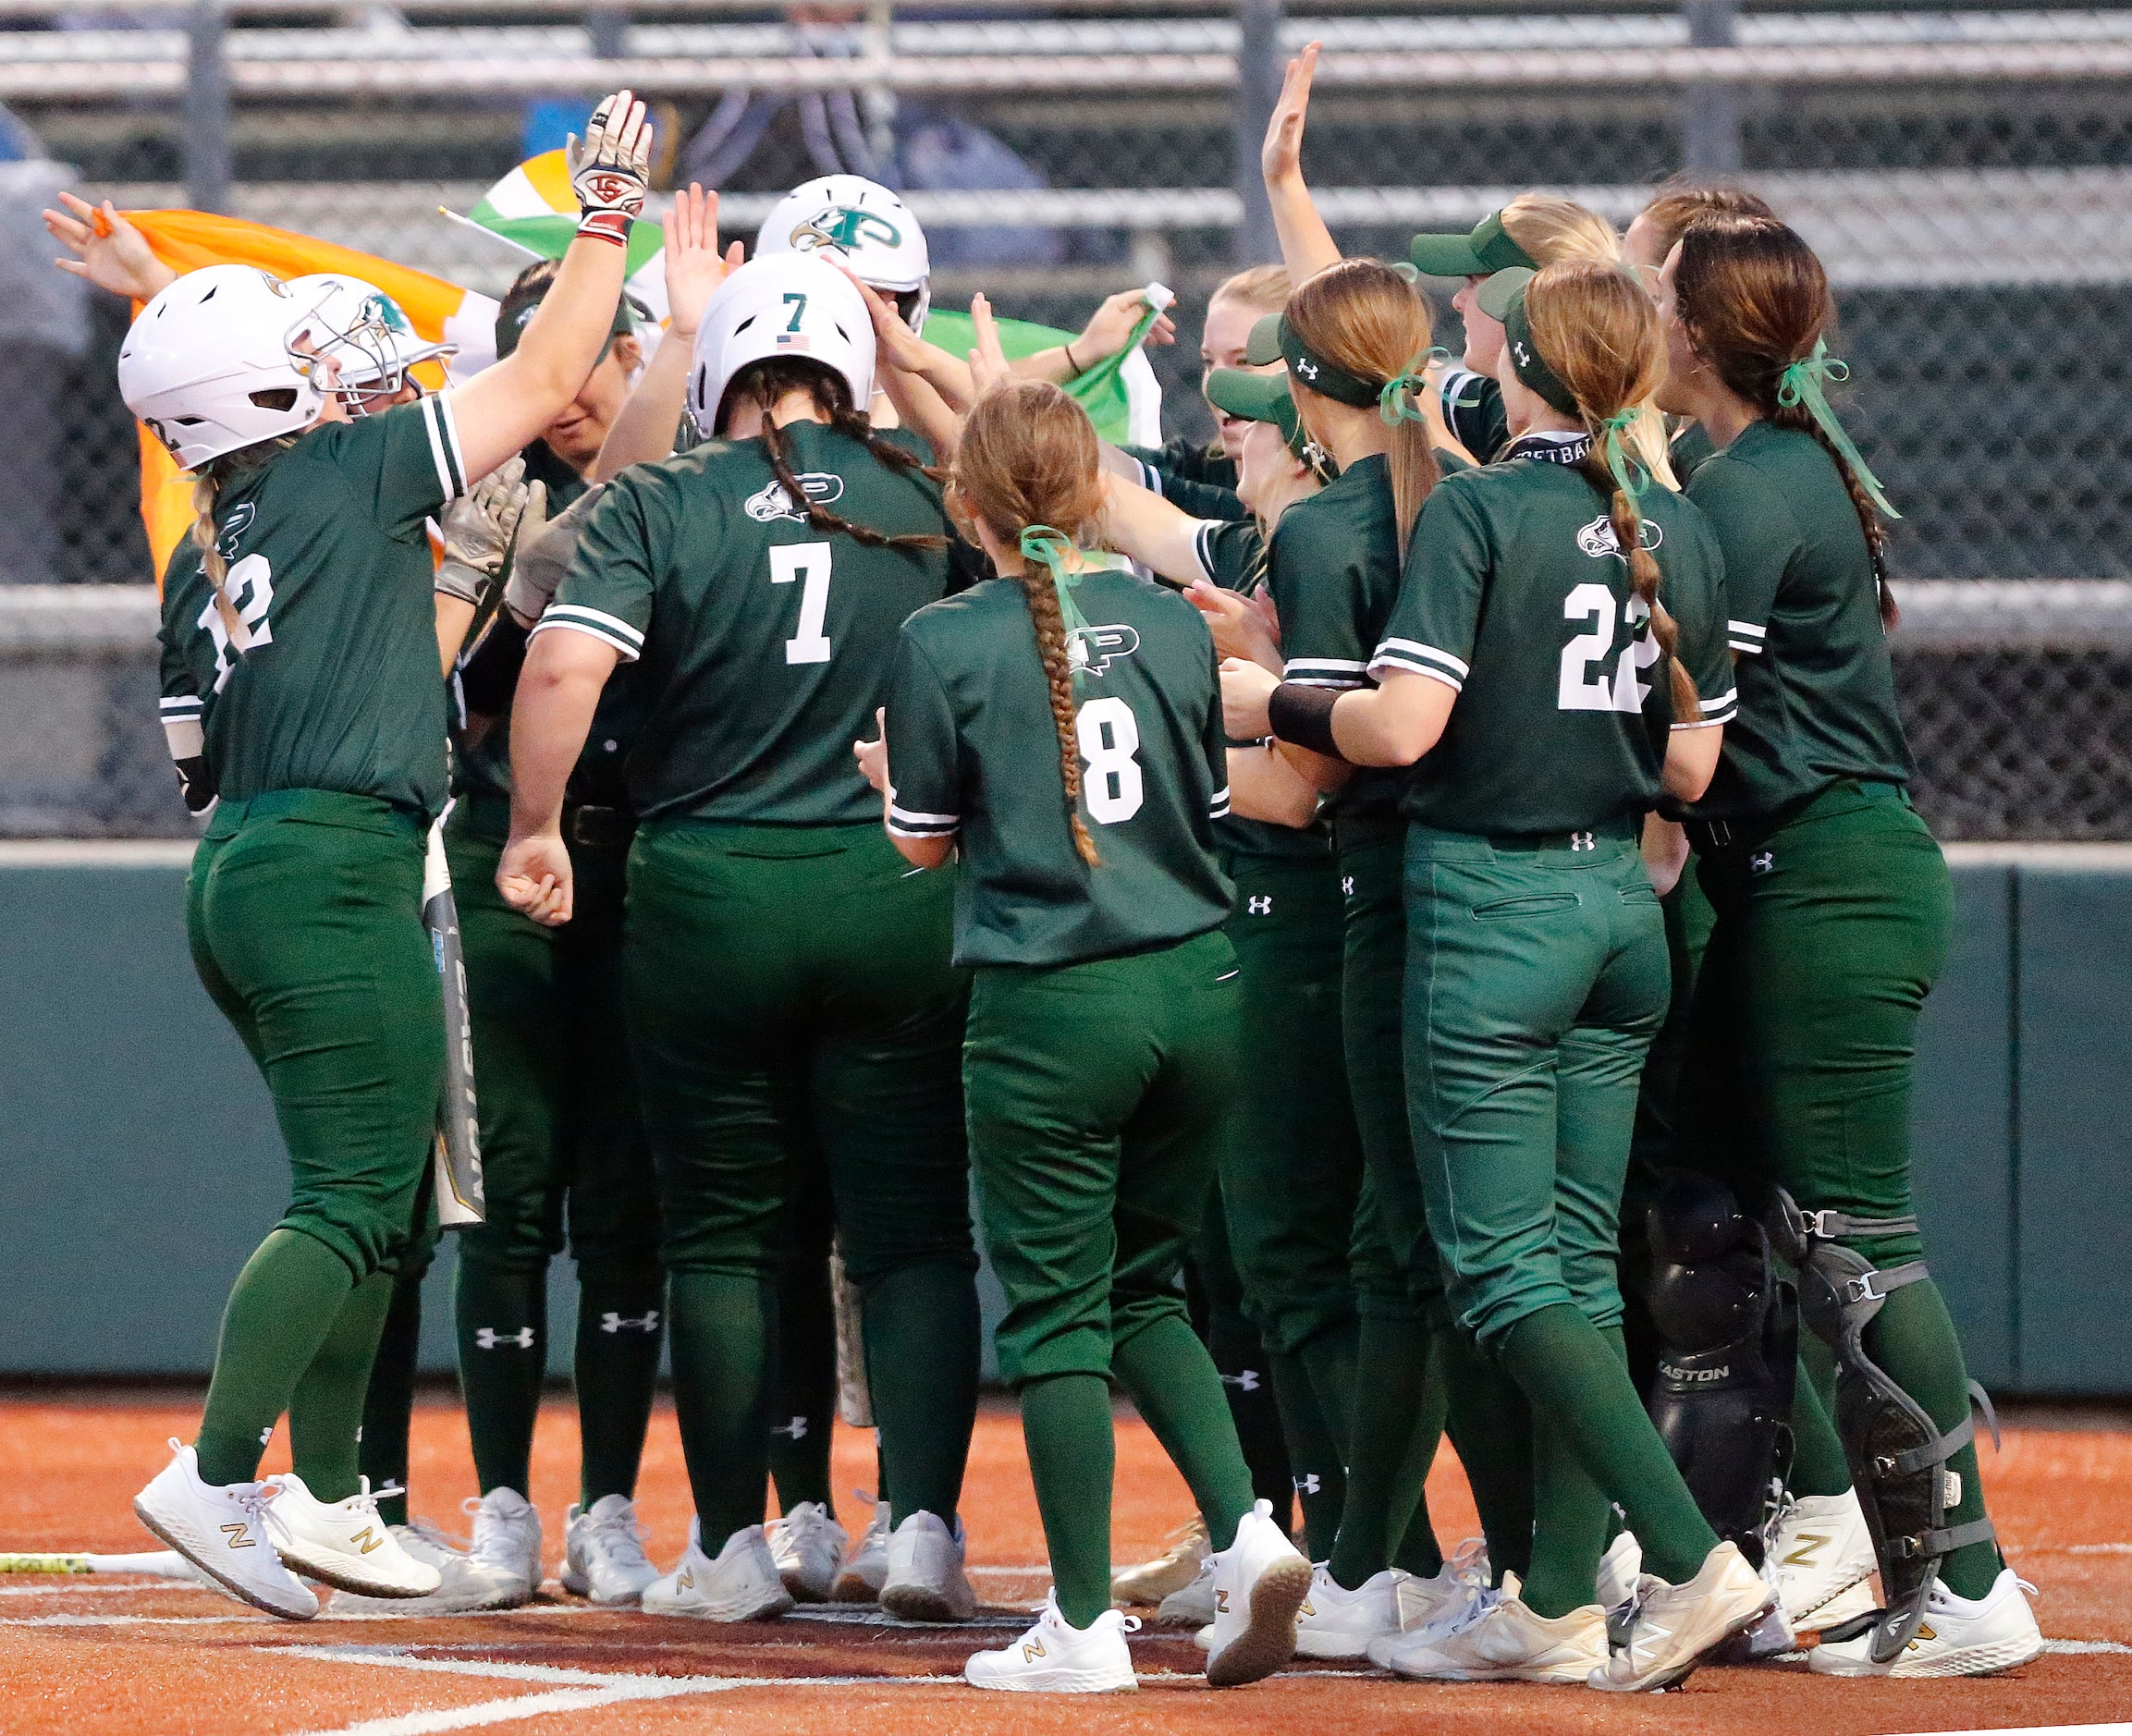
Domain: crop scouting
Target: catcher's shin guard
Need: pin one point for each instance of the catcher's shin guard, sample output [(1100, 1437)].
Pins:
[(1728, 1328), (1898, 1457)]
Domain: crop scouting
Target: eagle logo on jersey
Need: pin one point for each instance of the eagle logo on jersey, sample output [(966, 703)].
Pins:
[(845, 226), (771, 502), (1597, 539), (234, 527), (1091, 649)]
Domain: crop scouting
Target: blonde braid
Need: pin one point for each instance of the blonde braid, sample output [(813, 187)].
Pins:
[(1042, 597), (205, 488)]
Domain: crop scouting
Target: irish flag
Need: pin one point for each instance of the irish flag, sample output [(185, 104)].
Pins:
[(535, 209)]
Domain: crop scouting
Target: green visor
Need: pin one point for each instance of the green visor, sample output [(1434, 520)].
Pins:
[(1487, 248), (1502, 297), (1264, 346), (517, 311), (1258, 397)]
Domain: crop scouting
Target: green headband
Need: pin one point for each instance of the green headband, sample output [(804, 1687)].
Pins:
[(1305, 364), (1801, 384), (1529, 364), (1040, 543)]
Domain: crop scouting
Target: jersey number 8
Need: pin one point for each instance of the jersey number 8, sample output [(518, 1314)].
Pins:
[(1109, 736), (1578, 687)]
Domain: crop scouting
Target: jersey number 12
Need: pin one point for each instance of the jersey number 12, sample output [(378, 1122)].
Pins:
[(808, 563)]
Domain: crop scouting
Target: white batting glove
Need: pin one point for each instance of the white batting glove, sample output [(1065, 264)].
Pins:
[(543, 555), (611, 167), (477, 531)]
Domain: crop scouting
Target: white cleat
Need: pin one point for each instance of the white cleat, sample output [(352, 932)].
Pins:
[(1843, 1606), (1335, 1623), (345, 1544), (808, 1547), (1819, 1548), (229, 1533), (1260, 1581), (1448, 1597), (1506, 1641), (1662, 1632), (1194, 1606), (925, 1579), (1959, 1636), (1619, 1569), (604, 1552), (1171, 1571), (466, 1586), (743, 1584), (507, 1538), (866, 1568), (1056, 1657)]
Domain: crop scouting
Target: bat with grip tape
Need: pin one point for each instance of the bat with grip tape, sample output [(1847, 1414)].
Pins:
[(153, 1564), (458, 1181)]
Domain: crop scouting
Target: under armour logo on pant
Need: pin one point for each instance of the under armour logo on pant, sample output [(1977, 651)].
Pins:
[(1243, 1380), (1583, 841), (612, 1322), (1259, 904), (796, 1428), (1761, 861), (489, 1338), (266, 1436), (1308, 1484), (1347, 885)]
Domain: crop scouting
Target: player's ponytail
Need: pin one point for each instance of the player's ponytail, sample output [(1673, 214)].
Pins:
[(1755, 301), (1030, 468), (207, 484), (1598, 333), (764, 383)]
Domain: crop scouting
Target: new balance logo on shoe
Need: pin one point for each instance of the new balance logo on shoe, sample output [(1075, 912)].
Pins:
[(1810, 1544), (489, 1338), (796, 1429), (1220, 1602), (613, 1322), (1243, 1380), (366, 1540), (237, 1540), (1032, 1650)]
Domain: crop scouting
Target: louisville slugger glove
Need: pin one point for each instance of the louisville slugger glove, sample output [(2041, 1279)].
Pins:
[(477, 531), (610, 168)]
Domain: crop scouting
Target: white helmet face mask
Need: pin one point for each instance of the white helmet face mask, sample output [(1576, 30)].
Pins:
[(785, 304), (207, 365), (364, 329), (866, 223)]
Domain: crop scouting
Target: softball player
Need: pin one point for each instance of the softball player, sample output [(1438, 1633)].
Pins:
[(788, 984), (301, 683), (1103, 1021), (1832, 912), (1536, 964)]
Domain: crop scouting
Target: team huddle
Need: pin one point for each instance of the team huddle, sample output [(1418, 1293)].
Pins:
[(1423, 889)]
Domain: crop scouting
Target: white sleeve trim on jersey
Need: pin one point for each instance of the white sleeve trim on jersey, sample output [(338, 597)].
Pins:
[(1746, 637), (181, 705), (1217, 804), (1207, 528), (1150, 478), (444, 450), (907, 823), (1412, 657), (1341, 672), (1722, 709), (607, 628)]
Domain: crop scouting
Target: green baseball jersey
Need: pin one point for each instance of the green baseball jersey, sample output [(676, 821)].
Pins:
[(331, 682), (1198, 480), (974, 754), (1688, 450), (1817, 689), (1232, 555), (763, 642), (1473, 409), (1516, 596)]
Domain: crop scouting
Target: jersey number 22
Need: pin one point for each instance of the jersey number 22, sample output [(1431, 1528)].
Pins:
[(1579, 687)]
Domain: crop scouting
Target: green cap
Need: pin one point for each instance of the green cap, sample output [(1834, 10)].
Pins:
[(1263, 348), (1502, 297), (1487, 248), (1258, 397), (520, 305)]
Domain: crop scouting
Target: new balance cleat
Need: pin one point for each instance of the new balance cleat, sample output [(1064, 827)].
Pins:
[(1619, 1569), (1192, 1607), (1335, 1623), (345, 1544), (925, 1579), (466, 1585), (1260, 1581), (1959, 1636), (1054, 1656), (1447, 1597), (1820, 1549), (229, 1533), (604, 1552), (506, 1537), (1663, 1631), (1507, 1641), (808, 1547), (743, 1584), (1171, 1570), (866, 1568)]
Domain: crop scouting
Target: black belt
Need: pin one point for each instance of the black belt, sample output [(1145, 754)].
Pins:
[(1711, 836), (605, 828)]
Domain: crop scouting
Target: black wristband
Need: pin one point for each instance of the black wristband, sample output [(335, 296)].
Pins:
[(1304, 715)]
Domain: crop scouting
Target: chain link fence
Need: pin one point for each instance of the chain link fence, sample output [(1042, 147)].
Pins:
[(1965, 173)]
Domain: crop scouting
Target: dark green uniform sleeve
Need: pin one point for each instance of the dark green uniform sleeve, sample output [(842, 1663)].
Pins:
[(1231, 552), (403, 467), (924, 759), (1473, 408), (607, 590), (1435, 621), (1697, 595), (1321, 608), (1215, 739), (1752, 519)]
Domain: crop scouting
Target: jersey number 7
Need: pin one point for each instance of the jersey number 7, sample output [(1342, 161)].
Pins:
[(808, 563)]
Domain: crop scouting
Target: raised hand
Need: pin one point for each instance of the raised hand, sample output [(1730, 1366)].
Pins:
[(107, 250), (1281, 157), (477, 531), (873, 756), (1109, 328), (987, 361), (695, 267), (611, 167)]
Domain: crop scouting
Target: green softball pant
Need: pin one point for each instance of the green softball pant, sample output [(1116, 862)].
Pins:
[(1829, 931), (1098, 1093), (1292, 1161), (303, 911), (1536, 978)]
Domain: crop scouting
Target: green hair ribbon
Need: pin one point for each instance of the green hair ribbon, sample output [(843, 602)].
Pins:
[(1801, 384), (1041, 543), (1400, 400), (1632, 480)]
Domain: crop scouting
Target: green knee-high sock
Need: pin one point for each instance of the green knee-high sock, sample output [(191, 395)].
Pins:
[(503, 1359), (1066, 1429), (1321, 1478), (1576, 1382), (923, 1346), (803, 1401), (1913, 1339), (1330, 1358), (1390, 1371), (1570, 1520), (723, 1327), (622, 1324), (1418, 1549), (1490, 1424), (325, 1410), (283, 1305), (1173, 1383), (389, 1409), (1817, 1464)]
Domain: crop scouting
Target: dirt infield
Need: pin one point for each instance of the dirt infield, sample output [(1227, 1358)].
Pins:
[(108, 1655)]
